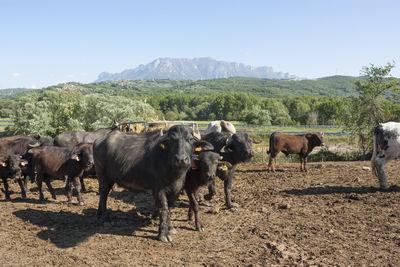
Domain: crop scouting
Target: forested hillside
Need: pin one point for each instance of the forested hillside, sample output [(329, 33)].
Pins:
[(325, 101), (329, 86)]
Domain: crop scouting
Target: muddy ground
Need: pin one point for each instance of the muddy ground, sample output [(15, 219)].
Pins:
[(333, 215)]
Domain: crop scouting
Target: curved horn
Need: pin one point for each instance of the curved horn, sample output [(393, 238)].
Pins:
[(164, 136), (34, 145), (197, 135)]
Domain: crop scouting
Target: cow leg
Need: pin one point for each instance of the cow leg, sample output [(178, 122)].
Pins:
[(304, 163), (6, 191), (380, 165), (68, 189), (51, 189), (77, 186), (22, 186), (39, 181), (163, 231), (157, 206), (83, 188), (171, 229), (194, 206), (271, 163), (104, 189), (227, 189), (301, 163), (211, 191), (26, 180)]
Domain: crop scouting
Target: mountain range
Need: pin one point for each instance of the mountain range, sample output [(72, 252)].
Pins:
[(203, 68)]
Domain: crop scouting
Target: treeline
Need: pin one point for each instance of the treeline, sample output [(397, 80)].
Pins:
[(310, 110)]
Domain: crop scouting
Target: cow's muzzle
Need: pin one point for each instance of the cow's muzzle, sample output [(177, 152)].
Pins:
[(180, 161)]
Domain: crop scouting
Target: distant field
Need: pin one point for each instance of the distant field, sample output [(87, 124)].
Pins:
[(272, 128)]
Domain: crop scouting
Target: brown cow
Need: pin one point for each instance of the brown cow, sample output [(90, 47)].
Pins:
[(301, 144)]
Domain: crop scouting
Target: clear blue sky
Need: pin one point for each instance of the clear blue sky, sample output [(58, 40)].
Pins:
[(47, 42)]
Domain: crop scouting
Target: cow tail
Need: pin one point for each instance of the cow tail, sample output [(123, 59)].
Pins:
[(269, 151), (374, 168)]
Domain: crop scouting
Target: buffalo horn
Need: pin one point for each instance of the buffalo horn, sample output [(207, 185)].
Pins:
[(34, 145)]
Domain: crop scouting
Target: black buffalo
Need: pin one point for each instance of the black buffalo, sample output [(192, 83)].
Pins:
[(17, 146), (54, 162), (203, 171), (151, 161), (10, 167), (234, 149), (73, 138)]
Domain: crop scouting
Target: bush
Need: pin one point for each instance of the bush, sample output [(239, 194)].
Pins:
[(52, 113)]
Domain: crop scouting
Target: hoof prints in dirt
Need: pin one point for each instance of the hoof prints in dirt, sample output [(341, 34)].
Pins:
[(335, 215)]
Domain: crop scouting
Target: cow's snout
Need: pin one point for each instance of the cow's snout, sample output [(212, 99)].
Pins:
[(251, 153), (210, 176), (181, 160)]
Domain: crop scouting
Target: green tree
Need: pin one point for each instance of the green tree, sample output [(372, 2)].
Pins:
[(330, 111), (258, 116), (370, 108), (52, 113)]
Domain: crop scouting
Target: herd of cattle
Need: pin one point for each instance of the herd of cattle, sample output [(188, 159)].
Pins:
[(161, 161)]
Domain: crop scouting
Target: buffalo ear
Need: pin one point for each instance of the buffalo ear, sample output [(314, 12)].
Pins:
[(23, 163), (224, 165), (202, 145), (75, 154)]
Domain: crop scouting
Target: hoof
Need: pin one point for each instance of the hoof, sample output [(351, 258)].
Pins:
[(173, 231), (233, 209), (165, 238), (81, 203), (200, 229)]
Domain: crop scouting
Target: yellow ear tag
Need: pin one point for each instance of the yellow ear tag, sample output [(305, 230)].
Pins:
[(22, 163), (4, 164), (198, 149), (223, 168), (162, 146), (77, 158)]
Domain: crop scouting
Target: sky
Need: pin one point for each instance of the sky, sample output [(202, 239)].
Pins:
[(44, 43)]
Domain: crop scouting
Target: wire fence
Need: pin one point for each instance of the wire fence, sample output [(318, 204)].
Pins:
[(251, 128)]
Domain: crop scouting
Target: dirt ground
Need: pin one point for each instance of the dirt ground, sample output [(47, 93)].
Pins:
[(333, 215)]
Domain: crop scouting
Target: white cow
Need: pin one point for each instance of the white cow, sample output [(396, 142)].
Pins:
[(220, 126), (386, 148)]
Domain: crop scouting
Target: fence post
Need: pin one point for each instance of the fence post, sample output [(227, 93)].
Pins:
[(262, 151)]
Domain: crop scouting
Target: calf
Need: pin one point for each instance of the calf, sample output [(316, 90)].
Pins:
[(10, 167), (203, 172), (234, 149), (386, 148), (53, 162), (301, 144)]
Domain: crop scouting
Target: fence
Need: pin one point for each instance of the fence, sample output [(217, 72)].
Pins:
[(249, 127)]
